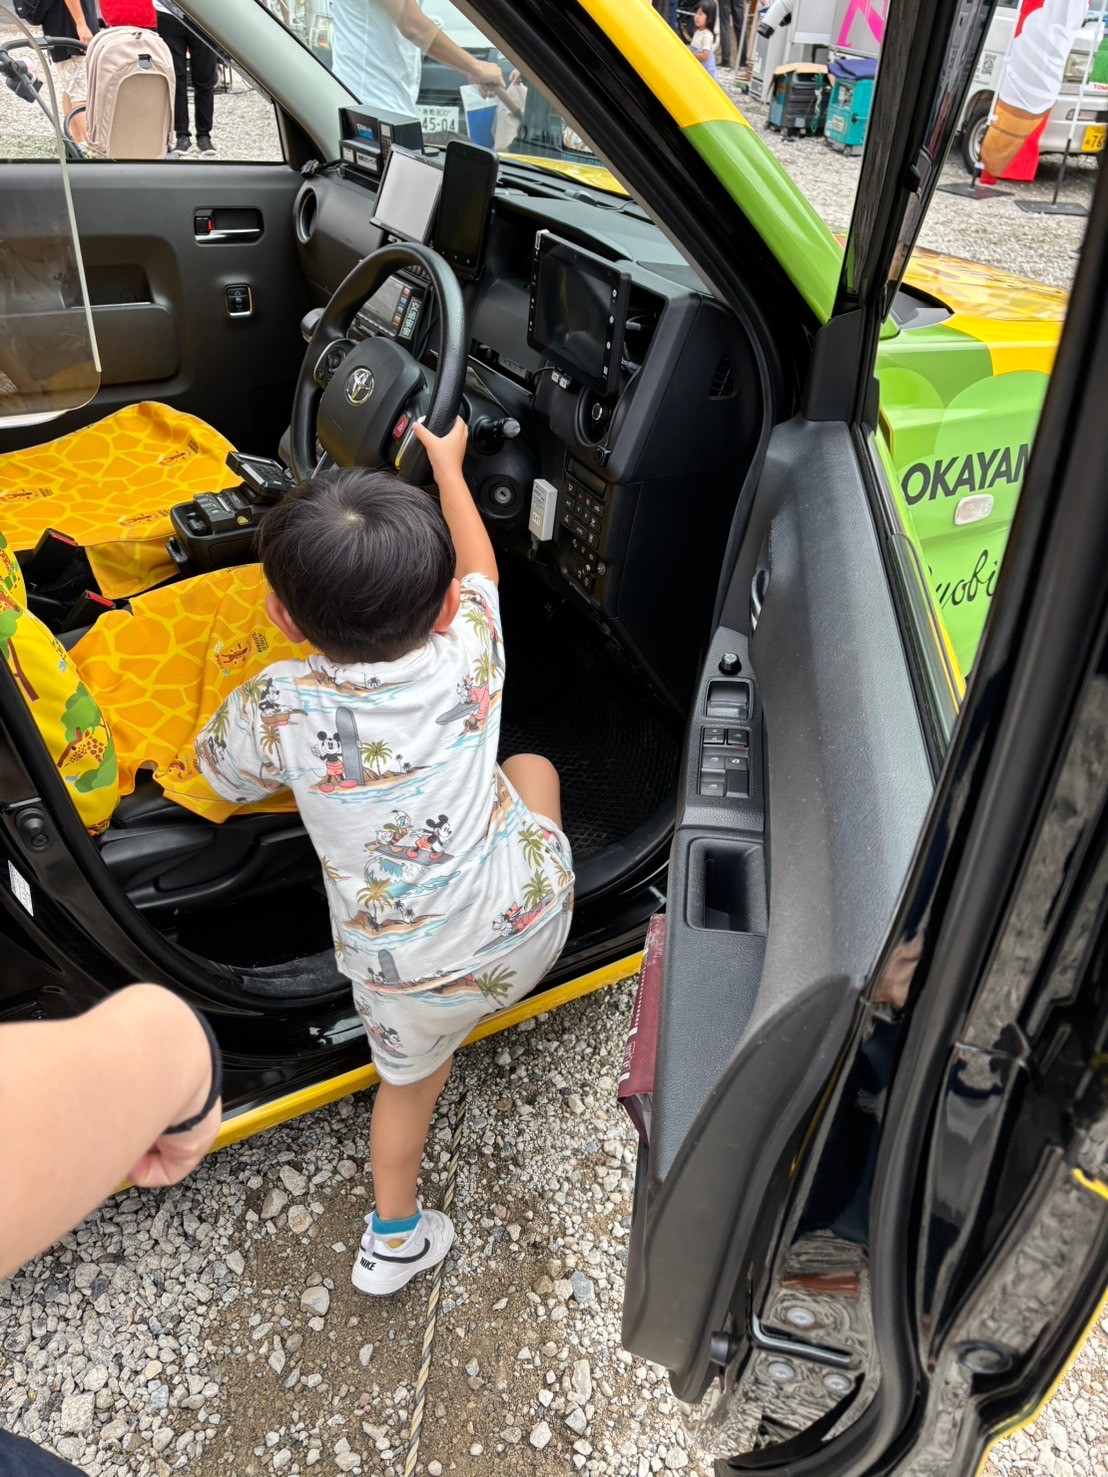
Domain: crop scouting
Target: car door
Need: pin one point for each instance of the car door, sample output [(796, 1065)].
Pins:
[(192, 271), (820, 728)]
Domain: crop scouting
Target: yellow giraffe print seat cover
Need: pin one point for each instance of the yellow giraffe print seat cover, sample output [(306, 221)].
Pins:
[(110, 486), (161, 670), (73, 728)]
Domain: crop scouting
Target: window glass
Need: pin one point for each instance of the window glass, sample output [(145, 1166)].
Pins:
[(212, 110), (48, 358), (965, 362), (434, 62)]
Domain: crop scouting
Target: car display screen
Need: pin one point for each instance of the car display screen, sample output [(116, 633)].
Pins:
[(394, 308), (408, 195), (577, 312)]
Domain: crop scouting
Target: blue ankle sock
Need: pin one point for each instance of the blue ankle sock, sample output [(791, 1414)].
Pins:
[(395, 1228)]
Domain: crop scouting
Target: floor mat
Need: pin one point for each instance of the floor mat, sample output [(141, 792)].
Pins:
[(615, 746)]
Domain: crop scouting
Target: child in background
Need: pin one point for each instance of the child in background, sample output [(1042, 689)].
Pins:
[(448, 877), (703, 44)]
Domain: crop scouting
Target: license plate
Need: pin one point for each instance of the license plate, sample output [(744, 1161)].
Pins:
[(1093, 141), (438, 119)]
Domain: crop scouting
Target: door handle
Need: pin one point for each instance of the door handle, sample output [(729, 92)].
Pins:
[(226, 225), (231, 233)]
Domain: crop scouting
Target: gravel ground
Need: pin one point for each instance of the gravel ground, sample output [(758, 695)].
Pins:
[(213, 1327)]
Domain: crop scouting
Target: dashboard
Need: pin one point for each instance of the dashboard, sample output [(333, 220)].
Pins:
[(614, 405)]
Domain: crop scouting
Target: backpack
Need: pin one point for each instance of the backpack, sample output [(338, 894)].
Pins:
[(130, 94)]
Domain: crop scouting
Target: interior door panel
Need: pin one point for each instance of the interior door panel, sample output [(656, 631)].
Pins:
[(778, 901), (168, 249)]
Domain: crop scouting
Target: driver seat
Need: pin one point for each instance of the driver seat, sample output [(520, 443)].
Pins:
[(119, 714), (110, 486)]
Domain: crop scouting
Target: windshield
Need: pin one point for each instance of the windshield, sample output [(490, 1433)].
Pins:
[(435, 64)]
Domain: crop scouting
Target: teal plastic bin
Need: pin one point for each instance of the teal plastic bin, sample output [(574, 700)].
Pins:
[(852, 81), (799, 99)]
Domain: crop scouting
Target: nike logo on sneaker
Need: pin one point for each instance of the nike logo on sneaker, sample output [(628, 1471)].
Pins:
[(423, 1250)]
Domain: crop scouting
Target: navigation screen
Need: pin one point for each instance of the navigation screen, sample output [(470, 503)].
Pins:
[(408, 195), (578, 306)]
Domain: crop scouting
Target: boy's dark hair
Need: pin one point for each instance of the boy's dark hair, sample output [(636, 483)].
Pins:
[(361, 561)]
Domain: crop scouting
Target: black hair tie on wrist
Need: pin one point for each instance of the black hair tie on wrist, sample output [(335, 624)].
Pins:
[(217, 1080)]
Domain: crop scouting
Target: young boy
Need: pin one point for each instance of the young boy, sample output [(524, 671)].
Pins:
[(448, 878)]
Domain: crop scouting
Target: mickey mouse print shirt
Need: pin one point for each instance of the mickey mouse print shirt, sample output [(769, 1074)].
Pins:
[(434, 868)]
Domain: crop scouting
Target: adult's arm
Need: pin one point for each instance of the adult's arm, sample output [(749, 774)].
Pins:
[(77, 16), (85, 1103), (432, 41)]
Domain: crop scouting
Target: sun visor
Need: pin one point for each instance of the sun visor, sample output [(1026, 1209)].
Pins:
[(48, 358)]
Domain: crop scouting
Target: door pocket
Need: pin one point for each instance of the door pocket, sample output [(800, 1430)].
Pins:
[(138, 342), (727, 886)]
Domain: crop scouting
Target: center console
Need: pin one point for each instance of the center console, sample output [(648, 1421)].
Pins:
[(216, 529)]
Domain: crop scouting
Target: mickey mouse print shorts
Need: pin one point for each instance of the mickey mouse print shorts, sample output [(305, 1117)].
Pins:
[(413, 1031)]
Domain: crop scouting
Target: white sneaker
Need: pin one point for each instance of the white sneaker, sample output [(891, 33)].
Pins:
[(380, 1268)]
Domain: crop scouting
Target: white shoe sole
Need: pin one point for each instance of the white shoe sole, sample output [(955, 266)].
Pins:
[(378, 1286)]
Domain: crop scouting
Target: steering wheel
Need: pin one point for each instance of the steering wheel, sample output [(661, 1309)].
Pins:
[(360, 401)]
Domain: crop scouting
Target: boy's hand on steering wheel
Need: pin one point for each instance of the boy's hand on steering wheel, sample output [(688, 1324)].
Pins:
[(445, 453)]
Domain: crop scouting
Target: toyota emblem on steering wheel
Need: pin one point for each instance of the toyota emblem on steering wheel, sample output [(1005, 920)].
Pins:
[(359, 387)]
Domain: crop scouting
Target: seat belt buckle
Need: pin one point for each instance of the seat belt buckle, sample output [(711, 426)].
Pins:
[(86, 610), (50, 557)]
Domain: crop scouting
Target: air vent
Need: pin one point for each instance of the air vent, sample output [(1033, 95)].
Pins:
[(306, 214), (723, 381)]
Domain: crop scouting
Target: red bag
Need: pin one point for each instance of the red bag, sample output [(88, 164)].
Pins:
[(636, 1076)]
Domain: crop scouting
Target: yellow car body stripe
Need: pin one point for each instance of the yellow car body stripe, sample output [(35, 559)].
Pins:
[(668, 70), (306, 1099), (1012, 346)]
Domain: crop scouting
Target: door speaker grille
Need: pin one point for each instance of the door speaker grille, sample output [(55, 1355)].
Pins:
[(723, 380)]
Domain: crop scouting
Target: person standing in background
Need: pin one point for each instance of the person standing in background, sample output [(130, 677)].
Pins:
[(75, 19), (731, 14), (703, 43), (378, 50), (187, 48)]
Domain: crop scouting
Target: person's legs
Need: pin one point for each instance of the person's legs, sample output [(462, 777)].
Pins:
[(397, 1135), (205, 65), (176, 37), (730, 15), (69, 83), (536, 782)]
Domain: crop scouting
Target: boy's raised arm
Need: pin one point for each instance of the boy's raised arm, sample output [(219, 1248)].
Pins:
[(471, 541)]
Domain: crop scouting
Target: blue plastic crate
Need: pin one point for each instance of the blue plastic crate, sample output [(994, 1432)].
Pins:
[(852, 80)]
